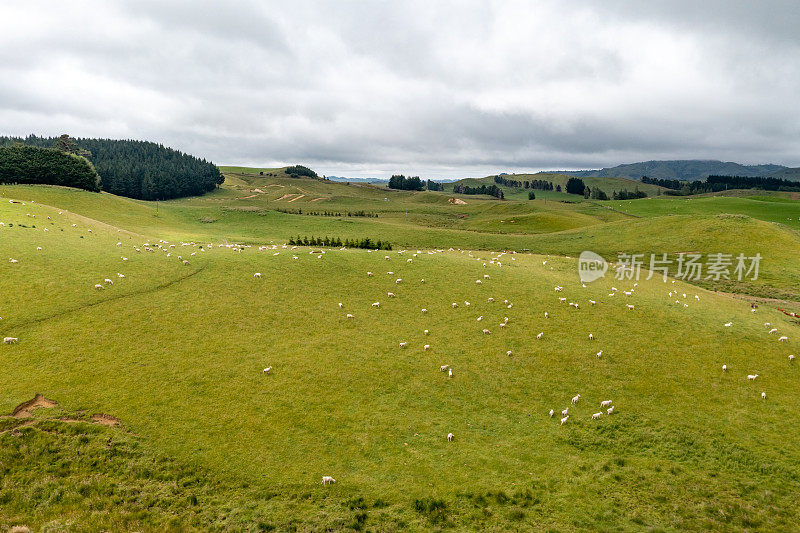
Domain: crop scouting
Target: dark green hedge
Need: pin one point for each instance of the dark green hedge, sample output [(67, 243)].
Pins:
[(29, 164)]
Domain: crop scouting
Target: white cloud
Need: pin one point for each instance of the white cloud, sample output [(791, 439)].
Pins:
[(435, 89)]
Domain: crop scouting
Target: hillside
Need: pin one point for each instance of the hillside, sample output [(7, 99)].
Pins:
[(688, 170)]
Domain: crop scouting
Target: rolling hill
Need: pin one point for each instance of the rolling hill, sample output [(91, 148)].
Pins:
[(688, 170)]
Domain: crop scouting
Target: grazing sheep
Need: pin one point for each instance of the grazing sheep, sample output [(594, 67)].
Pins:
[(10, 340), (38, 248), (575, 399), (444, 368), (107, 280), (773, 330), (327, 480), (369, 274), (478, 281), (409, 260), (403, 344), (605, 403), (539, 336), (480, 318), (349, 315), (98, 286), (398, 280), (591, 337), (724, 368), (12, 260), (185, 262), (341, 305), (486, 332), (386, 257), (450, 437), (599, 354), (728, 324), (791, 358), (502, 325), (763, 395), (376, 304), (257, 275), (455, 305), (564, 412), (508, 353), (426, 347), (592, 302), (551, 413), (564, 420), (486, 276), (630, 307), (267, 370), (466, 303), (784, 338), (610, 410), (425, 332), (450, 373), (752, 377), (491, 300), (595, 416), (546, 314), (120, 275), (390, 294), (424, 310)]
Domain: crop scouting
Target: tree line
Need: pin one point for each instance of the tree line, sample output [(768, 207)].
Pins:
[(32, 164), (540, 185), (491, 190), (361, 213), (716, 183), (136, 169), (336, 242)]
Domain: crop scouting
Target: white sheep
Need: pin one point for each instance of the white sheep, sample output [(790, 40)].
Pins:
[(575, 399), (508, 353), (267, 370), (605, 403), (477, 281), (486, 276), (610, 410), (398, 280), (724, 368), (403, 344), (551, 413), (450, 373), (98, 286), (350, 316), (257, 275), (592, 302), (591, 337), (564, 412), (424, 310), (390, 294), (10, 340), (595, 416), (773, 330), (480, 318), (728, 324), (109, 281), (327, 480), (455, 305), (369, 274), (444, 368), (763, 395), (450, 437), (486, 332), (491, 300), (599, 354), (502, 325), (784, 338), (752, 377), (422, 280), (791, 358), (466, 303), (426, 347), (120, 275), (425, 332), (539, 336), (546, 314), (12, 260), (630, 307), (341, 305), (376, 304), (564, 420)]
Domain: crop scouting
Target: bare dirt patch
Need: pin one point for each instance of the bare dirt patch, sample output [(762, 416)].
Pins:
[(258, 190), (246, 197), (293, 199), (284, 197), (24, 409), (275, 185), (317, 199), (457, 201), (106, 420)]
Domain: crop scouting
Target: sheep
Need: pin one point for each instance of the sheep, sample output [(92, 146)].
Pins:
[(752, 377), (491, 300), (605, 403), (425, 332), (390, 273), (257, 275), (791, 358), (508, 353), (728, 324), (341, 305), (630, 307), (120, 275), (12, 260), (575, 399), (350, 316), (444, 368), (267, 370), (409, 260), (592, 302), (398, 280), (486, 276), (773, 330), (510, 306), (455, 305), (562, 300), (539, 336), (480, 318), (466, 303), (426, 347), (386, 257), (185, 262), (591, 337), (390, 294), (450, 373), (39, 248), (564, 412), (767, 324), (486, 332), (551, 413), (10, 340), (422, 280), (763, 395), (403, 344), (98, 286), (724, 368), (610, 410), (424, 310), (595, 416), (784, 338), (327, 480), (376, 304), (477, 281), (599, 354), (450, 437), (502, 325), (546, 314), (124, 258), (369, 274), (564, 420)]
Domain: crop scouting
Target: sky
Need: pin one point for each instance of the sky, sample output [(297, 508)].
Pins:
[(429, 88)]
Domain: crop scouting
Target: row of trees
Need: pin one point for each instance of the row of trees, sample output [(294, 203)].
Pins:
[(491, 190), (336, 242), (398, 181), (136, 169), (721, 183), (31, 164), (434, 186), (361, 213), (540, 185), (298, 171)]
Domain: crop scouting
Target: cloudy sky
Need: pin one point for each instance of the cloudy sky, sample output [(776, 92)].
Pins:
[(432, 88)]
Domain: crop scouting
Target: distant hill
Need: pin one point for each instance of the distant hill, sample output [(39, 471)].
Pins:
[(787, 174), (688, 170)]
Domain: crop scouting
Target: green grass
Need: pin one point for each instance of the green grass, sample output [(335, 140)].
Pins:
[(176, 351)]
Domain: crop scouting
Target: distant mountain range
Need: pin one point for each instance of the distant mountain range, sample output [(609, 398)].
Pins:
[(380, 180), (687, 169)]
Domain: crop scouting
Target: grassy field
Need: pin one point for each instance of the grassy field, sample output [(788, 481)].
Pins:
[(207, 441)]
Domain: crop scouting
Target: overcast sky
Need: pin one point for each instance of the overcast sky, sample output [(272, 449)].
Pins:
[(431, 88)]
